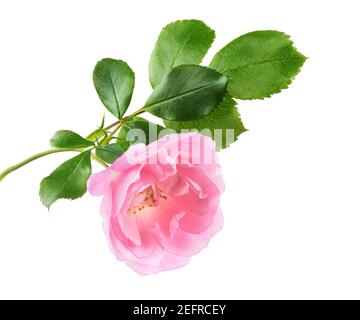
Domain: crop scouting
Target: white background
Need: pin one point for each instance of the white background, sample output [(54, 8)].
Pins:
[(292, 224)]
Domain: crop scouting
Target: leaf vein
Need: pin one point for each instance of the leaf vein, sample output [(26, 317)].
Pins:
[(72, 173), (184, 94), (115, 95)]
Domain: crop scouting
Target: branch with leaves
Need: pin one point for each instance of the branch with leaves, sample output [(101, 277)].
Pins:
[(185, 96)]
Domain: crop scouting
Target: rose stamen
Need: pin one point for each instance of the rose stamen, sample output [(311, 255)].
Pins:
[(144, 199)]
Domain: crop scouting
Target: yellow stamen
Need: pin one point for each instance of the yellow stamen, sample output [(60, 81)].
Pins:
[(146, 199)]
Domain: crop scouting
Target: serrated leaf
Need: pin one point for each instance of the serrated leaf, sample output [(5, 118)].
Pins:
[(68, 181), (110, 152), (258, 64), (138, 130), (69, 139), (114, 82), (187, 92), (180, 42), (223, 124)]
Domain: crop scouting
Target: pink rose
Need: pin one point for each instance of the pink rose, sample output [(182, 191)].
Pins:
[(161, 201)]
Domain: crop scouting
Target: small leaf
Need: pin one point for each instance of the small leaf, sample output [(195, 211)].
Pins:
[(69, 139), (109, 153), (68, 181), (258, 64), (114, 82), (102, 122), (223, 124), (180, 42), (187, 92), (138, 130), (96, 134)]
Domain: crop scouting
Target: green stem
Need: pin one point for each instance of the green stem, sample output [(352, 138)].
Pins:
[(140, 111), (98, 160), (112, 125), (32, 158), (118, 124), (125, 119), (110, 136), (96, 134)]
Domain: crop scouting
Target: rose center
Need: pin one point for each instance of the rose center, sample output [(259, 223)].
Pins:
[(145, 199)]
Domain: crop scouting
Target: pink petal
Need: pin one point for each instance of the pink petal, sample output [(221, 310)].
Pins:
[(188, 244), (175, 186), (99, 182), (184, 214)]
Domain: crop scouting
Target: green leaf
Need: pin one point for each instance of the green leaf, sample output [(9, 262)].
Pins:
[(96, 134), (138, 130), (69, 139), (110, 152), (68, 181), (258, 64), (223, 125), (187, 92), (114, 82), (180, 42)]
